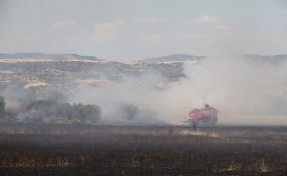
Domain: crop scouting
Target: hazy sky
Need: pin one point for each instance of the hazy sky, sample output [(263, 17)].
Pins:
[(138, 29)]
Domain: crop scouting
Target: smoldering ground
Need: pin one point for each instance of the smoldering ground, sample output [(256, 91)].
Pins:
[(244, 91)]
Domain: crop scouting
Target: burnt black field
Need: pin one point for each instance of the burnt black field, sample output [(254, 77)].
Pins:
[(45, 149)]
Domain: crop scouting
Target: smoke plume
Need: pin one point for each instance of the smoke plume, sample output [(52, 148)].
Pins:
[(243, 90)]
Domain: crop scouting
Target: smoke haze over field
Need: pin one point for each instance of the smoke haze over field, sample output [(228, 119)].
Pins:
[(243, 90), (238, 87)]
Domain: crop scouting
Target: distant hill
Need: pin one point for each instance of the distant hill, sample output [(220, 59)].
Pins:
[(187, 57), (46, 56), (264, 58), (175, 57)]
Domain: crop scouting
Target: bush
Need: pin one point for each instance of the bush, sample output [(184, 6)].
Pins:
[(86, 112), (2, 104), (129, 111), (132, 112), (48, 108)]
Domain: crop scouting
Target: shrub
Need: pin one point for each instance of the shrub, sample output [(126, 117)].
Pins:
[(2, 104), (129, 111), (48, 108)]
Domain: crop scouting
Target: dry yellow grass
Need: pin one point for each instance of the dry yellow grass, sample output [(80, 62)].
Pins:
[(35, 83)]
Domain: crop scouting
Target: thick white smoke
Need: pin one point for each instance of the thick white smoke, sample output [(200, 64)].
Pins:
[(244, 92), (142, 92)]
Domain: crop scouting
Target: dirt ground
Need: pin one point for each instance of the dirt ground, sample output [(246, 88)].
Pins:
[(38, 149)]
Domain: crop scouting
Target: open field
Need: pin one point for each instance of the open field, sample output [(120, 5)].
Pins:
[(37, 149)]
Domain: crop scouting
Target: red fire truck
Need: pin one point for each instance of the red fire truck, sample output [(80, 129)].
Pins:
[(206, 115)]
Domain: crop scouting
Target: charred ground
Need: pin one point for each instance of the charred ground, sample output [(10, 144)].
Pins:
[(30, 149)]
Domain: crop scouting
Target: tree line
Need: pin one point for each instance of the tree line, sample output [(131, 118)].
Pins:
[(35, 110), (41, 108)]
